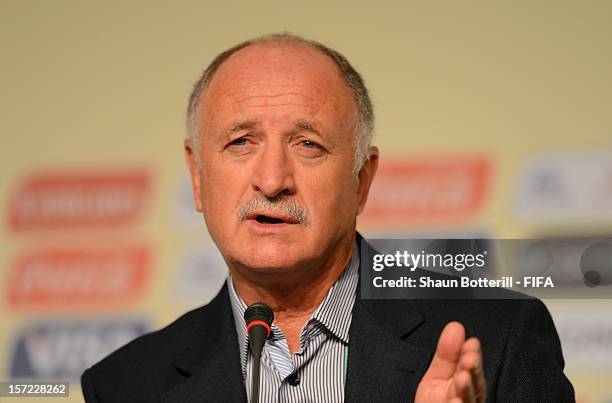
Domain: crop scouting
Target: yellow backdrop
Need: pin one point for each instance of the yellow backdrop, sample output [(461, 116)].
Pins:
[(493, 119)]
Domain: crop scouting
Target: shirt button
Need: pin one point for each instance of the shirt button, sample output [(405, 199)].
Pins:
[(293, 379)]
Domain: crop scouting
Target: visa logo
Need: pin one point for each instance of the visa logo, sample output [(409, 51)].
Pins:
[(63, 349)]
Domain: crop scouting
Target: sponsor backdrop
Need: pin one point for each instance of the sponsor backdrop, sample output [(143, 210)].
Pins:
[(494, 120)]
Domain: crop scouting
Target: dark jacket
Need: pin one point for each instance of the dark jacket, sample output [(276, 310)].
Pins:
[(196, 358)]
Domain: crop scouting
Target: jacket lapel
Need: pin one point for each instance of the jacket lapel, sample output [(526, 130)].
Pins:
[(210, 358), (383, 365)]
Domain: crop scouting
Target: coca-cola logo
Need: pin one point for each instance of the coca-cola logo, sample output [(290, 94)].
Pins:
[(78, 278), (428, 190)]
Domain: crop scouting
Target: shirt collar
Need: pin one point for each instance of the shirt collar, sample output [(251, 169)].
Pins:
[(334, 312)]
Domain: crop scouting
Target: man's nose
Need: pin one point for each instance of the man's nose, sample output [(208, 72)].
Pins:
[(273, 172)]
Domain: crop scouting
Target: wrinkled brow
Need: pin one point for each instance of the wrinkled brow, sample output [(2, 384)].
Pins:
[(306, 126), (299, 125), (240, 126)]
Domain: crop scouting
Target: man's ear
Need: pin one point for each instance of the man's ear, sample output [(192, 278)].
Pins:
[(366, 176), (194, 170)]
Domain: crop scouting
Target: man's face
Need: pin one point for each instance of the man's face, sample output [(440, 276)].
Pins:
[(277, 152)]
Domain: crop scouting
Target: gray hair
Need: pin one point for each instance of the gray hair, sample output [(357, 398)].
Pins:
[(359, 92)]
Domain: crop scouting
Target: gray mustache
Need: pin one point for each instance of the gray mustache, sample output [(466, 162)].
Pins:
[(281, 205)]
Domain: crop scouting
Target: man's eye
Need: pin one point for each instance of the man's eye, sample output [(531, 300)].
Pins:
[(309, 149), (309, 144), (240, 141)]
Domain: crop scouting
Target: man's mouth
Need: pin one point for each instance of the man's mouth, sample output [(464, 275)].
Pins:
[(263, 218)]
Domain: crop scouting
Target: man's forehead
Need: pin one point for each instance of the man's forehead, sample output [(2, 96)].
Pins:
[(270, 74), (278, 61)]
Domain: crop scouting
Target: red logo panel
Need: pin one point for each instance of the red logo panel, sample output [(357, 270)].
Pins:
[(72, 199), (421, 190), (73, 279)]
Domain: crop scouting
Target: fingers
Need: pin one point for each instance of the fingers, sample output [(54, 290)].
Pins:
[(456, 370), (464, 387), (448, 352), (470, 378)]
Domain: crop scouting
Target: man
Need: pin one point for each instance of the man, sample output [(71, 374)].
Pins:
[(281, 164)]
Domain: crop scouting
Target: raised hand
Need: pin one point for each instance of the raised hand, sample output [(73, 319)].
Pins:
[(455, 374)]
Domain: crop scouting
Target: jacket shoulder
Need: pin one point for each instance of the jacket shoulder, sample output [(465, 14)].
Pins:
[(144, 367), (156, 345)]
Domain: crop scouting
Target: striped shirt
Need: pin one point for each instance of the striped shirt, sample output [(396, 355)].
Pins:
[(317, 372)]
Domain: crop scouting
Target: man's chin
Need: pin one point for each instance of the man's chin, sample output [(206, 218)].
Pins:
[(270, 265), (269, 255), (269, 269)]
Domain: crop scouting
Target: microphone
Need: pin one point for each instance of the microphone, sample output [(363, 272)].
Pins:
[(258, 318)]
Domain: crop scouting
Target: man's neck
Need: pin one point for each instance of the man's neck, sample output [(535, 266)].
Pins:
[(295, 295)]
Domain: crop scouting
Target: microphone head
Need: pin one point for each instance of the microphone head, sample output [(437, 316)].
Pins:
[(259, 311), (258, 318)]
